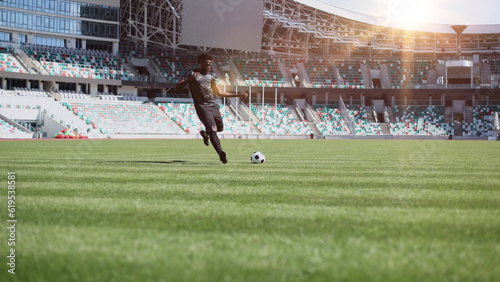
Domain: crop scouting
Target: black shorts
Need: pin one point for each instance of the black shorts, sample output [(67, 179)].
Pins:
[(210, 116)]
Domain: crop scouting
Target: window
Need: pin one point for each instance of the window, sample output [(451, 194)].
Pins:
[(5, 16), (46, 24), (25, 20), (65, 8), (13, 18), (64, 25), (52, 23), (78, 43), (52, 5), (39, 22), (113, 15), (4, 36), (22, 38), (39, 5), (48, 41), (76, 8), (32, 21), (107, 14)]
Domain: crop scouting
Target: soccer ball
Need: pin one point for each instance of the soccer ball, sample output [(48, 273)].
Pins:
[(258, 158)]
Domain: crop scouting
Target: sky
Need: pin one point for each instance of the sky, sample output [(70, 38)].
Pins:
[(452, 12)]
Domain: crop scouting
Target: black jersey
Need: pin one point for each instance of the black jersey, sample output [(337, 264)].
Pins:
[(201, 88)]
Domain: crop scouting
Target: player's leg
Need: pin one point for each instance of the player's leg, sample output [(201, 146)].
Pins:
[(207, 117), (214, 139), (204, 118), (205, 136), (219, 122), (217, 127), (220, 127)]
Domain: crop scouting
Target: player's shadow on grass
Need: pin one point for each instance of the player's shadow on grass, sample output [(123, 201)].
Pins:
[(157, 162)]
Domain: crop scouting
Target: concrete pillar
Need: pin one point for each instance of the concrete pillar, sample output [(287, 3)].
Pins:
[(93, 90), (70, 43), (30, 38), (14, 37), (115, 48)]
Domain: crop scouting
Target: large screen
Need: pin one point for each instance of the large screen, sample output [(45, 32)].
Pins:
[(228, 24)]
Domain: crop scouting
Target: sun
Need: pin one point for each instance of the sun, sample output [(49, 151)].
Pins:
[(415, 12)]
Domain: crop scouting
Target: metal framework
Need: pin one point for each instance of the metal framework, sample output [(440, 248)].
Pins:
[(151, 22), (293, 29)]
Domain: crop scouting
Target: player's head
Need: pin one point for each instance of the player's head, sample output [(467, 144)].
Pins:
[(205, 60), (204, 57)]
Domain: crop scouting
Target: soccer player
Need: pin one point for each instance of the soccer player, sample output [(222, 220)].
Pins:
[(202, 85)]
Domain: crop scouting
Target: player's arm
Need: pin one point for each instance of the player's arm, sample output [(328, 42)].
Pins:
[(185, 80), (225, 94)]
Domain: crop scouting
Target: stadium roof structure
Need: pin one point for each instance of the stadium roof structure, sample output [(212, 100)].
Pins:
[(312, 27), (308, 27), (374, 20)]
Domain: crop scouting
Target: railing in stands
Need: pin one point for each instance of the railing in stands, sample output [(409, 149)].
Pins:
[(345, 115)]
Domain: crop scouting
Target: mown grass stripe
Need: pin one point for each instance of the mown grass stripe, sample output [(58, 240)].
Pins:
[(317, 210)]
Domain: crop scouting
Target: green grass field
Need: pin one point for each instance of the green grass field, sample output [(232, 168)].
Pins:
[(317, 210)]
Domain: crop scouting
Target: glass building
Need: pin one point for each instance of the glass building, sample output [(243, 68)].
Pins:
[(61, 23)]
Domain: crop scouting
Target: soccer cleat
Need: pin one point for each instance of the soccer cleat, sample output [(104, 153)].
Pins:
[(204, 134), (222, 157)]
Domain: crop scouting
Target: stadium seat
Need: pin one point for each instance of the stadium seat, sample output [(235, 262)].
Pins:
[(420, 120), (260, 73)]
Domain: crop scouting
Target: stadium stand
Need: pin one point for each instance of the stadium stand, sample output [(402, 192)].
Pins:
[(23, 91), (225, 67), (174, 67), (408, 74), (482, 124), (332, 122), (351, 73), (361, 124), (26, 104), (117, 117), (8, 62), (231, 125), (420, 120), (78, 63), (278, 120), (72, 95), (260, 72), (495, 66), (6, 128), (184, 115), (375, 64), (321, 73), (324, 55), (395, 74)]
